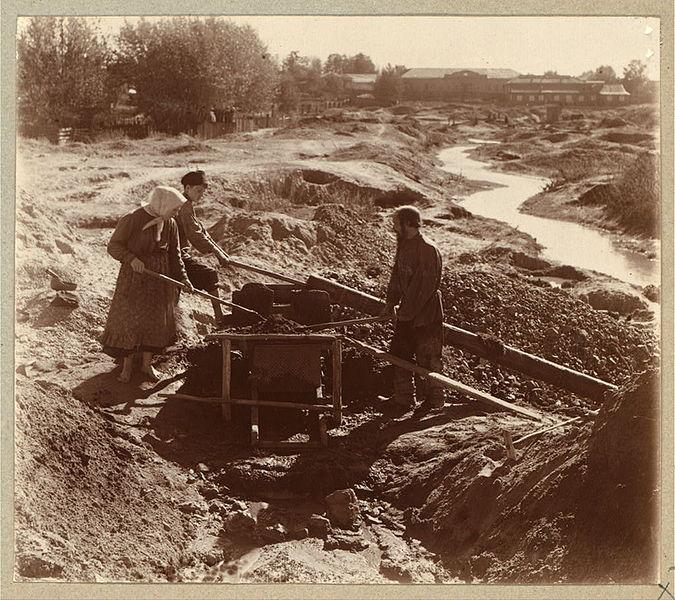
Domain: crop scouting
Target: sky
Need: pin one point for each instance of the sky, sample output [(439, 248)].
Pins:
[(568, 45)]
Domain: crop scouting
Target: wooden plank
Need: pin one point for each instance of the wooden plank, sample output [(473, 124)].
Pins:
[(539, 432), (294, 405), (250, 402), (190, 398), (530, 365), (271, 337), (337, 381), (226, 408), (446, 382)]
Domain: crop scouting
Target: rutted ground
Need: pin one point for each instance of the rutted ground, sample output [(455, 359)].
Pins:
[(154, 490)]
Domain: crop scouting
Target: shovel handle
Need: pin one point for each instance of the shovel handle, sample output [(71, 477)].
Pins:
[(202, 293), (335, 324)]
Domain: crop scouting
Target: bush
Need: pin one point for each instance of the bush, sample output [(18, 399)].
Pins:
[(636, 203)]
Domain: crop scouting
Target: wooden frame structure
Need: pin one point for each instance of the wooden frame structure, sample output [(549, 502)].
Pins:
[(334, 344)]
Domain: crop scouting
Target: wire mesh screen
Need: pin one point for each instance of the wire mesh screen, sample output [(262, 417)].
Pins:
[(283, 368)]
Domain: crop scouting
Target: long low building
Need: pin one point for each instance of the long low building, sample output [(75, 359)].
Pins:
[(456, 84), (507, 85), (564, 90)]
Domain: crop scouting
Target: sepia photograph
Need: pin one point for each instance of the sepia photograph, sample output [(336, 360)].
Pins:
[(339, 299)]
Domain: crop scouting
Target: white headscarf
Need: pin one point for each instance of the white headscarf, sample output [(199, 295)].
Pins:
[(161, 202)]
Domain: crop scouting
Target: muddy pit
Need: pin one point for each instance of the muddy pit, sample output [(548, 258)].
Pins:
[(436, 498)]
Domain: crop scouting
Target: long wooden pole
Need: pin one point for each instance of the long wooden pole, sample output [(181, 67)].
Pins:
[(226, 408), (249, 402), (539, 432), (446, 382), (530, 365), (202, 293)]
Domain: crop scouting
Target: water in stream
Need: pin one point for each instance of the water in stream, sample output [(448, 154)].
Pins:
[(565, 242)]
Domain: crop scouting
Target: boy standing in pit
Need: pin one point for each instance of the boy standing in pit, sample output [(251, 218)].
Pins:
[(193, 233)]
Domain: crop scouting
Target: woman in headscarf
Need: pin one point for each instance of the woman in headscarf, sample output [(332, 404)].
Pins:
[(141, 316)]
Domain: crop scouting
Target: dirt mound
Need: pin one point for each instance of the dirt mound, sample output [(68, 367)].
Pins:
[(525, 261), (406, 161), (68, 456), (238, 230), (546, 322), (621, 137), (346, 236), (189, 147), (614, 301), (557, 137), (616, 517), (599, 193), (610, 122), (540, 515), (455, 211), (43, 240), (579, 160), (643, 115)]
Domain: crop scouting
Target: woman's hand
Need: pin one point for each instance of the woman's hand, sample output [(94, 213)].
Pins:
[(137, 265)]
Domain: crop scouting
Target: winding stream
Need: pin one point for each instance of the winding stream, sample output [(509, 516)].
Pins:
[(565, 242)]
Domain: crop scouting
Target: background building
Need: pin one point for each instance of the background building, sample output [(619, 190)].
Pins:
[(564, 90), (456, 84)]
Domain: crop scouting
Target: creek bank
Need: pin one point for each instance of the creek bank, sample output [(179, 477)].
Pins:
[(563, 204), (576, 156)]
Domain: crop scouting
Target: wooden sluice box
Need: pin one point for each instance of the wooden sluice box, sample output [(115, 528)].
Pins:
[(285, 373)]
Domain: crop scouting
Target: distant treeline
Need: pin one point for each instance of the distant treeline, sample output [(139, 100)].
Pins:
[(69, 74)]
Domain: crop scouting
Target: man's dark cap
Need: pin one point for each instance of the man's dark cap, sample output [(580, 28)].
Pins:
[(194, 178)]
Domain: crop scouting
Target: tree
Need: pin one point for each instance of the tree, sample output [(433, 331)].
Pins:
[(635, 77), (182, 65), (605, 73), (389, 84), (62, 72), (551, 74), (359, 63), (334, 84), (299, 75), (288, 95), (335, 63)]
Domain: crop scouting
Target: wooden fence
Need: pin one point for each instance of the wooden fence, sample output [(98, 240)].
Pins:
[(137, 128), (240, 123)]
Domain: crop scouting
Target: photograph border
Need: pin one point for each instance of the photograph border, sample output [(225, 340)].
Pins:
[(11, 9)]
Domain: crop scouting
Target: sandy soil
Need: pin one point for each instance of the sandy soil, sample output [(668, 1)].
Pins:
[(115, 482)]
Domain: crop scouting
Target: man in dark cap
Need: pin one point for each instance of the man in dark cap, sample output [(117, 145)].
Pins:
[(414, 286), (193, 233)]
